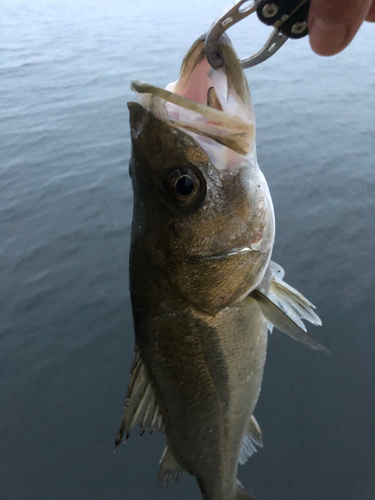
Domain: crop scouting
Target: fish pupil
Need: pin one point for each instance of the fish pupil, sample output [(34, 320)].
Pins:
[(184, 185)]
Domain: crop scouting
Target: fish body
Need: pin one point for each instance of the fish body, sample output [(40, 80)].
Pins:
[(200, 273), (206, 372)]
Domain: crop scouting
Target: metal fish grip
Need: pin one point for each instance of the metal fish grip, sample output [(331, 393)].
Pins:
[(288, 17)]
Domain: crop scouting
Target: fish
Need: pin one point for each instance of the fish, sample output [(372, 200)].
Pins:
[(204, 290)]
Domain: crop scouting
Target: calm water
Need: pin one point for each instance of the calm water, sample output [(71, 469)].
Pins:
[(66, 330)]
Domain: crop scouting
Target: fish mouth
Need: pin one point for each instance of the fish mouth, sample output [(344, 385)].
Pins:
[(214, 105)]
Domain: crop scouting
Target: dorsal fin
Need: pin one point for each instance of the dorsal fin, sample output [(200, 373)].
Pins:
[(169, 472), (251, 440), (142, 406)]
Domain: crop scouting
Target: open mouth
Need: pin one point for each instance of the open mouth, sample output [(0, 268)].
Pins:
[(214, 104)]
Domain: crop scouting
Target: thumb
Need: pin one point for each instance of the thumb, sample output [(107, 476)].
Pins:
[(334, 23), (371, 14)]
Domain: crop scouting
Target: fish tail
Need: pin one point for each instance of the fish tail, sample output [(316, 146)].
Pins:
[(242, 494)]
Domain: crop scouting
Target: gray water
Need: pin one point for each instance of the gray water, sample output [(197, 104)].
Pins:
[(66, 330)]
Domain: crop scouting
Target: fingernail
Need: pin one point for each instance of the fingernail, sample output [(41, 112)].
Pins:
[(327, 39)]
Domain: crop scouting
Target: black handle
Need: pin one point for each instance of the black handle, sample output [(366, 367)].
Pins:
[(289, 16)]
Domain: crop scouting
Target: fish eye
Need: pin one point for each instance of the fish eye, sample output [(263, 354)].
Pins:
[(184, 185)]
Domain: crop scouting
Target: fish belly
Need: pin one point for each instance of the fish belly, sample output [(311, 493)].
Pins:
[(207, 373)]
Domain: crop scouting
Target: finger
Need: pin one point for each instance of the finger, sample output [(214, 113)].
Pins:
[(371, 14), (334, 23)]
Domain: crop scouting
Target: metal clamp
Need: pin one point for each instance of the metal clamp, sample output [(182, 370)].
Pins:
[(288, 17)]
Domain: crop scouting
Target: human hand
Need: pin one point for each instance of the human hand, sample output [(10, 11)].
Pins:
[(334, 23)]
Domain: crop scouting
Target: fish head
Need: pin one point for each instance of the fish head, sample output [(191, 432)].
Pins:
[(202, 207)]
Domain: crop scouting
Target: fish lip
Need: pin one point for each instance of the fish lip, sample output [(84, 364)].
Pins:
[(223, 254)]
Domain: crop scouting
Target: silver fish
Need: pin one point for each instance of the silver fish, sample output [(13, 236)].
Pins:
[(204, 291)]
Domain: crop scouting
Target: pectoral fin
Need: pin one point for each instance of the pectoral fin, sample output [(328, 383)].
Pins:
[(252, 439), (142, 406), (284, 323), (170, 472), (289, 300)]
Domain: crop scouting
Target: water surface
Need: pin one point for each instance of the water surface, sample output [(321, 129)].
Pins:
[(66, 330)]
